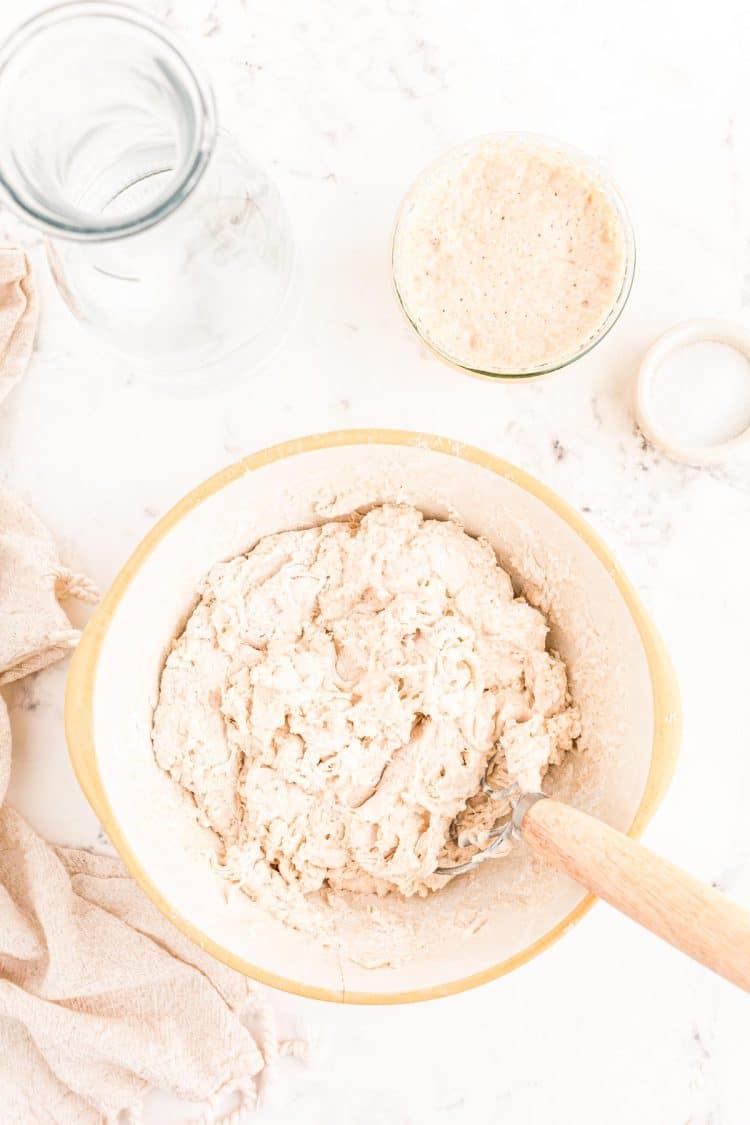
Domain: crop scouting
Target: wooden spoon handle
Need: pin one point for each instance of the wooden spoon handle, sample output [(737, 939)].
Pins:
[(695, 918)]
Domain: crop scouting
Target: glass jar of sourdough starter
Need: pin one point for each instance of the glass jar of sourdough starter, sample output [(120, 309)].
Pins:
[(164, 237), (513, 256)]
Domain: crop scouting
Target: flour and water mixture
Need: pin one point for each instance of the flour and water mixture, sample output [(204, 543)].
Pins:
[(335, 698)]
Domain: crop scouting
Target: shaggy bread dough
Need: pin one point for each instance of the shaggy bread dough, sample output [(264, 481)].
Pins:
[(335, 698)]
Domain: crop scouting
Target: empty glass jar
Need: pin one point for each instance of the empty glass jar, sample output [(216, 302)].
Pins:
[(164, 237)]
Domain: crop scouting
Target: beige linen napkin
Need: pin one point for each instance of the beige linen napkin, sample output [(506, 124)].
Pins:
[(18, 316), (101, 999)]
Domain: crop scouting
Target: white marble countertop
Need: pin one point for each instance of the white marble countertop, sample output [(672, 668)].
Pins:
[(344, 102)]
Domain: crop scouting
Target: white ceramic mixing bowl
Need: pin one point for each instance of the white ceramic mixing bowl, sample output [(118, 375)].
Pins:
[(483, 924)]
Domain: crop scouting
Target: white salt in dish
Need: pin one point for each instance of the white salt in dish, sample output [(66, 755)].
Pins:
[(481, 925), (692, 392)]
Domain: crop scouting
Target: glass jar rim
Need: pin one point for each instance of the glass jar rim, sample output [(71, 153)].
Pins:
[(196, 158)]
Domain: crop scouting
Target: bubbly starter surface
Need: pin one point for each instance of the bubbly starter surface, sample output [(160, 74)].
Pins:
[(508, 255)]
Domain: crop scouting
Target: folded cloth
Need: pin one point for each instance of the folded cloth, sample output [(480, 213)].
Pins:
[(18, 316), (34, 628), (101, 999)]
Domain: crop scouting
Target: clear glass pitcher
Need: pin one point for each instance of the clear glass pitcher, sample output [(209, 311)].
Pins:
[(163, 236)]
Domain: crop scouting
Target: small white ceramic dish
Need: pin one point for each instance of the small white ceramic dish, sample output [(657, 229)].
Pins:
[(655, 429), (483, 924)]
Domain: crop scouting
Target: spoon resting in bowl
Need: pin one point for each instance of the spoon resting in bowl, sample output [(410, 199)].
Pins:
[(691, 916)]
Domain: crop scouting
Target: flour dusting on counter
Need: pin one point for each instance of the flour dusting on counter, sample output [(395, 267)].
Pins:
[(334, 701)]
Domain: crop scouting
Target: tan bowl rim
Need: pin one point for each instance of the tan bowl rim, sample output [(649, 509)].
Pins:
[(79, 697)]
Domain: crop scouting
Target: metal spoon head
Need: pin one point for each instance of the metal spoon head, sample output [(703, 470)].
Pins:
[(500, 842), (499, 834)]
